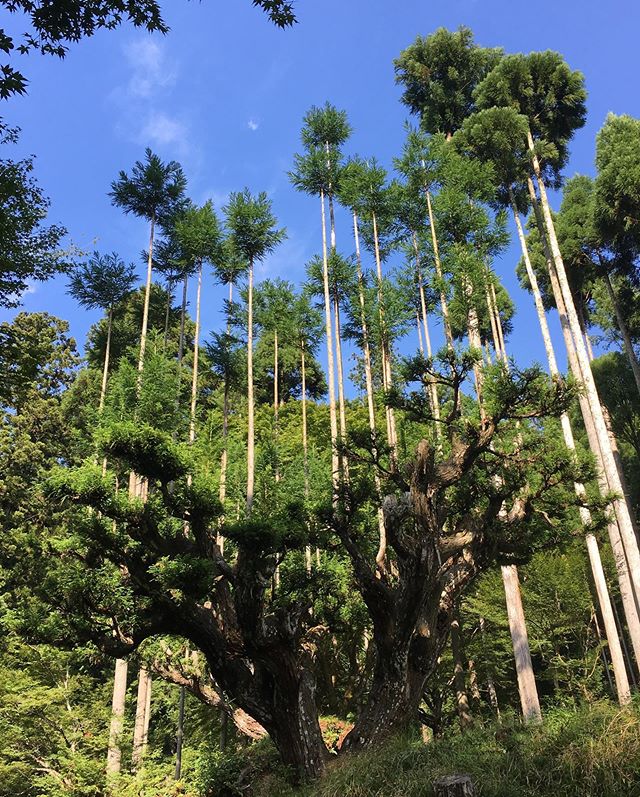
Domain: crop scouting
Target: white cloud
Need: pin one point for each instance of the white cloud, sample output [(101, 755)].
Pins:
[(140, 100), (151, 69), (162, 129), (253, 125)]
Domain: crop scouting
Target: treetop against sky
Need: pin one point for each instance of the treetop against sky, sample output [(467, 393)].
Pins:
[(225, 92)]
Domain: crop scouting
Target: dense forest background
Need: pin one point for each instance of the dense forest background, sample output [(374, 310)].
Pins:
[(346, 519)]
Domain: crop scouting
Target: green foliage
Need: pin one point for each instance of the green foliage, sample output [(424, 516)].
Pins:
[(103, 281), (36, 357), (617, 212), (29, 250), (154, 191), (439, 73), (252, 225)]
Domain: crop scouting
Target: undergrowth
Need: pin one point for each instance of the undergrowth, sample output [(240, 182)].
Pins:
[(593, 751)]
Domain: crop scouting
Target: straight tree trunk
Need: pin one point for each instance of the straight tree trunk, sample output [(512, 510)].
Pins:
[(622, 566), (622, 326), (196, 352), (147, 296), (183, 315), (617, 658), (368, 376), (114, 753), (438, 264), (520, 640), (144, 689), (107, 354), (432, 387), (167, 310), (619, 504), (515, 613), (250, 399), (335, 468), (341, 402), (224, 456), (385, 353)]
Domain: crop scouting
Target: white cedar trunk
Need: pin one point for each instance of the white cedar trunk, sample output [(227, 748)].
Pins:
[(196, 352), (432, 387), (250, 400), (341, 401), (622, 567), (147, 295), (619, 504), (384, 350), (624, 330), (366, 353), (144, 688), (611, 631), (107, 354), (515, 613), (276, 403), (492, 289), (114, 753), (492, 320), (517, 626), (333, 420), (305, 438), (224, 456), (606, 610), (438, 264)]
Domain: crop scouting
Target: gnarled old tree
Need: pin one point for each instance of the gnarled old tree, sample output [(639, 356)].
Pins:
[(449, 515)]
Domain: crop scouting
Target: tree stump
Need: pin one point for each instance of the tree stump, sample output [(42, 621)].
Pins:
[(454, 786)]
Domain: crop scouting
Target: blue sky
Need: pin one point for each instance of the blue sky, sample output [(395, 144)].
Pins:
[(224, 93)]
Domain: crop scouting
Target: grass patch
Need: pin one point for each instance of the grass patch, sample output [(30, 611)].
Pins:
[(591, 752)]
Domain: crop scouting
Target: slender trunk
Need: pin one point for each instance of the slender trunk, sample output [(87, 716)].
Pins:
[(167, 311), (250, 399), (438, 264), (183, 315), (519, 637), (492, 289), (622, 326), (475, 342), (144, 687), (620, 506), (432, 387), (385, 353), (611, 632), (180, 735), (335, 474), (276, 403), (224, 456), (305, 439), (606, 610), (527, 688), (147, 296), (114, 753), (196, 352), (107, 354), (368, 376), (622, 566), (459, 679), (341, 402)]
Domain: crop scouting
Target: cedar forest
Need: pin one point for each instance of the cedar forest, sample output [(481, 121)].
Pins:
[(226, 569)]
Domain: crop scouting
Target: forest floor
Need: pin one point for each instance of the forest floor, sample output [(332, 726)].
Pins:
[(593, 751)]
